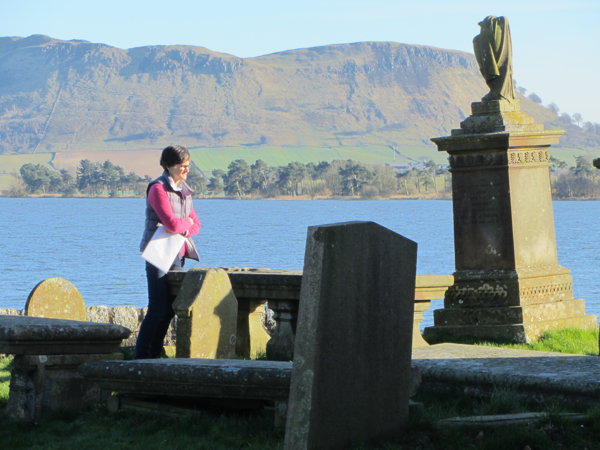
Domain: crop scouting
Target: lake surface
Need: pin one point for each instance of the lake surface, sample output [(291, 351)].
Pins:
[(94, 242)]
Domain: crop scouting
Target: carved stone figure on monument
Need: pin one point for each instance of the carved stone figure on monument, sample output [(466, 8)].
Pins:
[(493, 51)]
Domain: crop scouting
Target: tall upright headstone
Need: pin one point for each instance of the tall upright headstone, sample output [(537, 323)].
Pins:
[(351, 369), (508, 284)]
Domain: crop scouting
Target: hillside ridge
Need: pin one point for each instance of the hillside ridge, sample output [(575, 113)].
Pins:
[(65, 96)]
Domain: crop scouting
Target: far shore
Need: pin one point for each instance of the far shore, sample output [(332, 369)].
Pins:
[(442, 196)]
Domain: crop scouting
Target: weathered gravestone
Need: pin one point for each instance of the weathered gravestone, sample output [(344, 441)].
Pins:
[(206, 310), (351, 369), (55, 298)]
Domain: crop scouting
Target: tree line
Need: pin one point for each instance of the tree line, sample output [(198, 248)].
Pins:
[(325, 179), (579, 181), (90, 178)]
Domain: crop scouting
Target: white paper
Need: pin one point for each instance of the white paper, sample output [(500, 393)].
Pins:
[(163, 248)]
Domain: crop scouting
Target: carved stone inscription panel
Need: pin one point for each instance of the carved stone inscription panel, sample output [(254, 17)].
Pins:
[(482, 220)]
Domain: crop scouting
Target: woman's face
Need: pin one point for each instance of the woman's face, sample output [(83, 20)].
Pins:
[(180, 171)]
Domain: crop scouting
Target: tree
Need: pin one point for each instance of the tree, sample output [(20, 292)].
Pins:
[(261, 177), (354, 177), (38, 178), (216, 184), (109, 176), (578, 118), (237, 180), (291, 176), (85, 175), (385, 180), (535, 98), (431, 170), (196, 179)]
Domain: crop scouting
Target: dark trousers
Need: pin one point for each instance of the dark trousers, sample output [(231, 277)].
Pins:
[(160, 312)]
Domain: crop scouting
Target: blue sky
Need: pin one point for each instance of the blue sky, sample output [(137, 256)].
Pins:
[(556, 43)]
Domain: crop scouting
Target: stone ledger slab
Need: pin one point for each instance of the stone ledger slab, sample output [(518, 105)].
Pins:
[(351, 375), (47, 354), (23, 335), (194, 377)]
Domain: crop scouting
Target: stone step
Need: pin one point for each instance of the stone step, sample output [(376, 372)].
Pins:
[(517, 333), (510, 314)]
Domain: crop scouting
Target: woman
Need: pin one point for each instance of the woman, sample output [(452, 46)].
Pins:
[(168, 202)]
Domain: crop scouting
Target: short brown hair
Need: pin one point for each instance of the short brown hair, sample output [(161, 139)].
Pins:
[(173, 155)]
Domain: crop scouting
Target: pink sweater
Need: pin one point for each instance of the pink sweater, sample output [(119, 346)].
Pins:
[(159, 201)]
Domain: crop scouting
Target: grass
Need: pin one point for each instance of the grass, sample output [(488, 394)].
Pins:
[(570, 340), (219, 158), (99, 429)]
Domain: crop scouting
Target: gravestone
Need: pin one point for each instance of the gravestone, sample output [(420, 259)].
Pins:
[(206, 309), (55, 298), (259, 337), (351, 369)]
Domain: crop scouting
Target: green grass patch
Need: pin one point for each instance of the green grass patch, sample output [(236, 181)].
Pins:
[(132, 430), (12, 163), (5, 365), (220, 157), (570, 340)]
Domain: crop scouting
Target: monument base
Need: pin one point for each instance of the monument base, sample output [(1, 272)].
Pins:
[(509, 305), (518, 333)]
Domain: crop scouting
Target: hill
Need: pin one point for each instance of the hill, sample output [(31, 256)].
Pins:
[(77, 96)]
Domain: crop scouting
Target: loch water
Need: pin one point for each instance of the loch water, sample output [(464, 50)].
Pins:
[(94, 242)]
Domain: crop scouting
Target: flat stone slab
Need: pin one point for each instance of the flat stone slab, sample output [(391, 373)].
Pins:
[(24, 335), (504, 419), (543, 373), (194, 377)]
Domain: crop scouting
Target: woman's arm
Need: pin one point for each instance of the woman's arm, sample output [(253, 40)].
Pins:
[(159, 201), (195, 228)]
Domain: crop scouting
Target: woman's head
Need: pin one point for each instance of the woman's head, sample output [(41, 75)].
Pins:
[(175, 159), (174, 155)]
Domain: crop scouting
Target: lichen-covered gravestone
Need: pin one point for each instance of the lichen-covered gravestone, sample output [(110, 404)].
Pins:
[(206, 309), (56, 298), (351, 370)]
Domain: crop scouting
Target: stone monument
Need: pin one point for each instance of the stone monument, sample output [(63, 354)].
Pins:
[(351, 370), (508, 284)]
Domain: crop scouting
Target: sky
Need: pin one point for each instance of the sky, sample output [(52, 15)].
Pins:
[(556, 43)]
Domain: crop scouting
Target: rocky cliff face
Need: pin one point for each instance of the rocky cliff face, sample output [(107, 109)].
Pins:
[(76, 95)]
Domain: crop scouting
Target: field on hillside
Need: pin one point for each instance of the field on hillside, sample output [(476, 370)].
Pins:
[(141, 162), (146, 162), (219, 158), (10, 165)]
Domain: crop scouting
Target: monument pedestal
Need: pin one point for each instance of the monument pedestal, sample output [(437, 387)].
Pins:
[(508, 284)]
